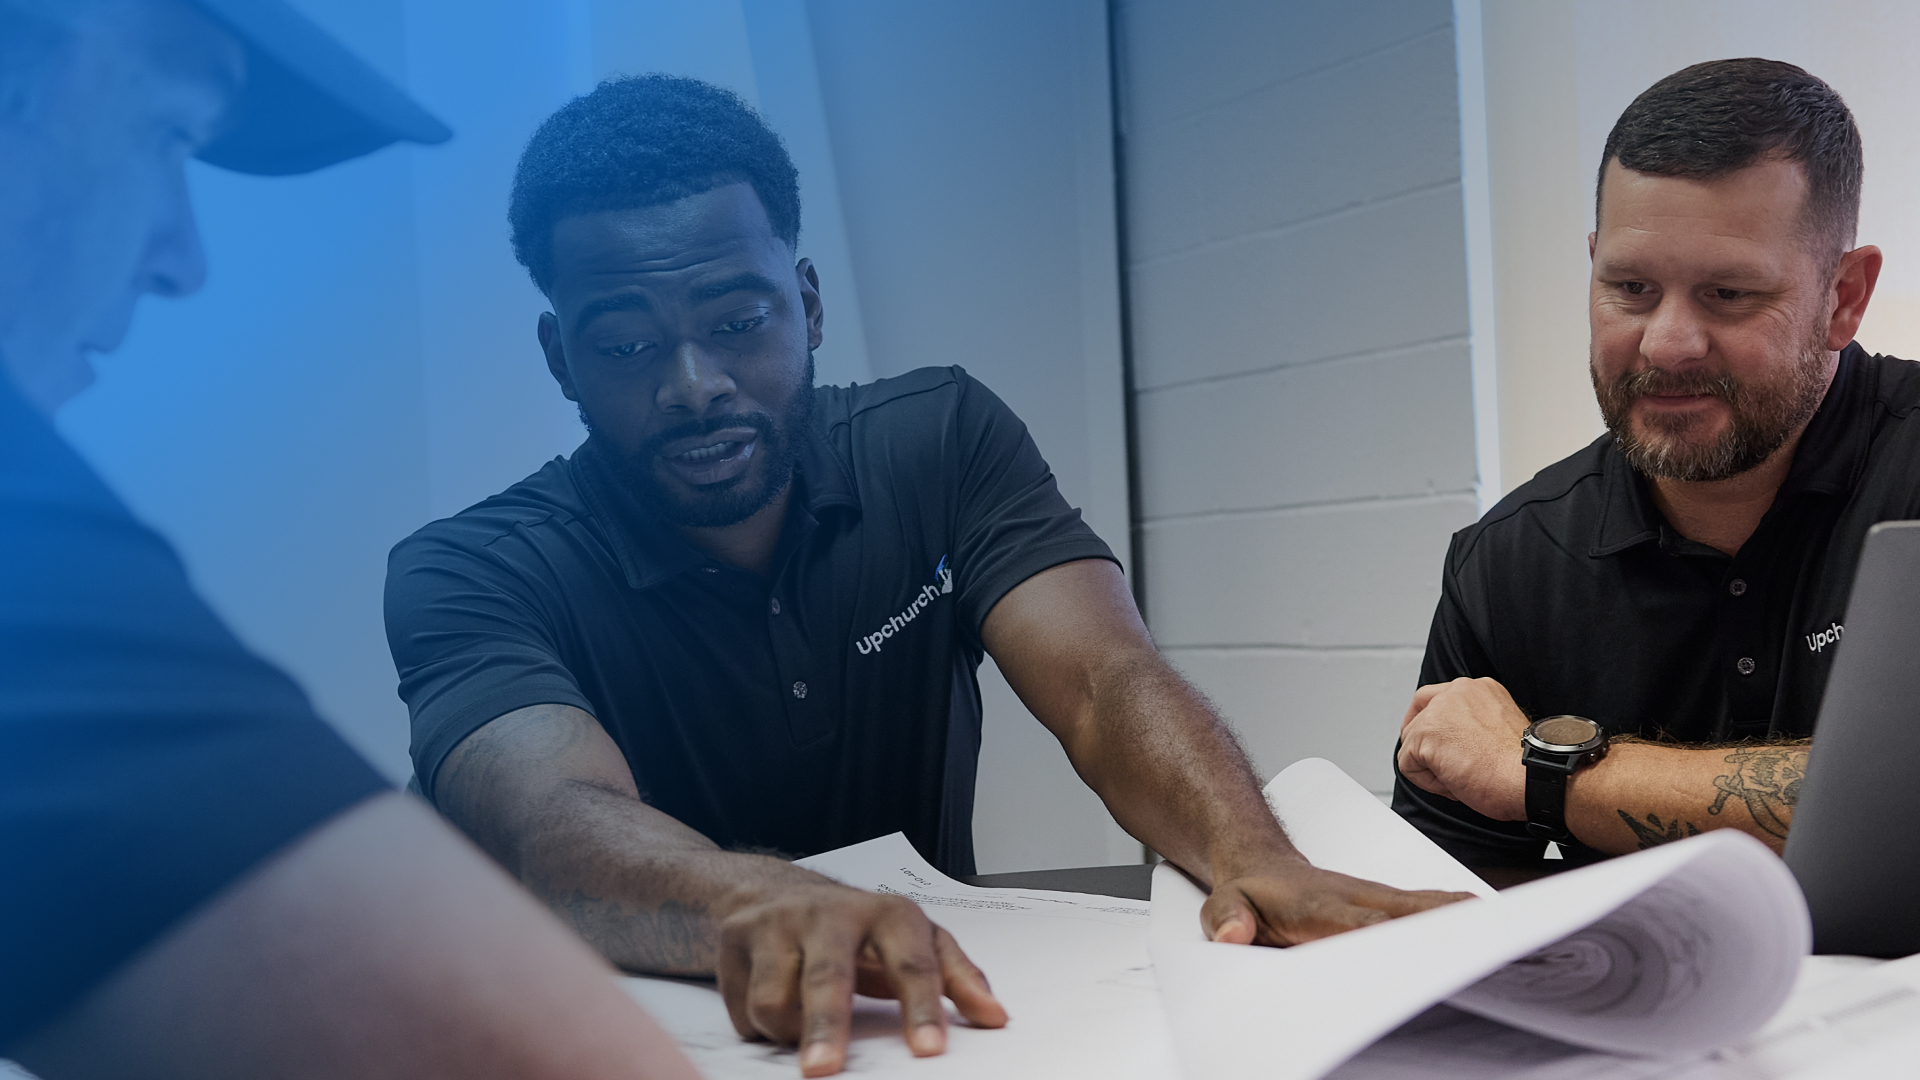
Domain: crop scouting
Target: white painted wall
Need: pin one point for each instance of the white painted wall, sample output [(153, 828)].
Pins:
[(1558, 75), (1298, 292), (973, 144), (363, 359)]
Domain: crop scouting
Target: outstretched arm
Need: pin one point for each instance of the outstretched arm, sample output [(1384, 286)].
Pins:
[(547, 792), (1072, 645), (1461, 740), (380, 945)]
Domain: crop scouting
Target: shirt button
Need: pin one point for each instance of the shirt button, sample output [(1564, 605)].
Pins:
[(775, 605), (1737, 587), (800, 690), (1745, 665)]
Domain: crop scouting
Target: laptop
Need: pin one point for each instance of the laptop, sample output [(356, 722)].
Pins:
[(1855, 840)]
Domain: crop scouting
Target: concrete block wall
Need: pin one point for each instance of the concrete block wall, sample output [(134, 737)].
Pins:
[(1297, 290)]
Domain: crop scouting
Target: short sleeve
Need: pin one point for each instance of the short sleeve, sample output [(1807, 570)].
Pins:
[(469, 643), (1011, 520), (147, 759)]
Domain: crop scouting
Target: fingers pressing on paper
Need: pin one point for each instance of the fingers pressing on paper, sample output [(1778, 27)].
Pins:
[(966, 984), (1228, 917), (826, 996), (903, 941), (922, 1015), (1243, 912), (789, 968), (1306, 904)]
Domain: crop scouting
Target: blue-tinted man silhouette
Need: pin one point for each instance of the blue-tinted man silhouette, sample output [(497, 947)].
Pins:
[(199, 878)]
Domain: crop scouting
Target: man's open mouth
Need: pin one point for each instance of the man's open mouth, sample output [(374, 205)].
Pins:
[(709, 453), (713, 458)]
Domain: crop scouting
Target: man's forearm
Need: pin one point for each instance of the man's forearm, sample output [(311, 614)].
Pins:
[(546, 792), (1073, 647), (1643, 794), (644, 890), (379, 945), (1172, 774)]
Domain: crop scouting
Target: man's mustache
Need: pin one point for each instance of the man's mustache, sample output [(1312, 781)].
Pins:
[(1662, 382)]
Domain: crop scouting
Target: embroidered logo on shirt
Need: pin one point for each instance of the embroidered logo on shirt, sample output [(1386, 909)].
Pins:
[(942, 586), (1820, 639)]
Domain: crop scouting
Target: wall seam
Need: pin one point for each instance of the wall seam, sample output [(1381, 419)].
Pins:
[(1368, 501), (1336, 65), (1291, 649), (1275, 231), (1136, 533), (1388, 353)]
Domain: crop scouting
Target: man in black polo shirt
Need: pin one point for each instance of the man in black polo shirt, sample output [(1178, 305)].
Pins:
[(1681, 582), (197, 876), (746, 615)]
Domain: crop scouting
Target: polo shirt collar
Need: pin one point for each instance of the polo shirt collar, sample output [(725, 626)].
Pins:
[(1833, 451), (650, 551), (827, 485), (1831, 455)]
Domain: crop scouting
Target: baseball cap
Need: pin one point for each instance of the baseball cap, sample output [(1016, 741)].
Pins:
[(308, 102)]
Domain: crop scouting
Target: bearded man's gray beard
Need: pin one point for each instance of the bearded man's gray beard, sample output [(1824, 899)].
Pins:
[(1765, 416)]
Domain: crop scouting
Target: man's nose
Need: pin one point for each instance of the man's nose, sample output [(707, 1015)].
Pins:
[(1675, 334), (694, 382), (176, 260)]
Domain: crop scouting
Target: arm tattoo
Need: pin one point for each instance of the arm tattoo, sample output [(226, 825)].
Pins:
[(1653, 832), (1767, 779)]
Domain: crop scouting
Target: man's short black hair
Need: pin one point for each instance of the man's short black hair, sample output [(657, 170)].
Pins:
[(1714, 119), (645, 141)]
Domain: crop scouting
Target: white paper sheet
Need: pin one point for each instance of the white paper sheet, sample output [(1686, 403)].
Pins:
[(1671, 951), (1339, 825), (1072, 970), (1839, 1022)]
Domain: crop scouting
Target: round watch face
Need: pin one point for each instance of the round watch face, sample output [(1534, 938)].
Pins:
[(1567, 731)]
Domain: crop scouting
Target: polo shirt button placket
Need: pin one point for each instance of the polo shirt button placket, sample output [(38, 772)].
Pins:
[(1737, 587)]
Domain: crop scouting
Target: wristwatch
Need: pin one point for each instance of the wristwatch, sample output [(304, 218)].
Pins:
[(1553, 750)]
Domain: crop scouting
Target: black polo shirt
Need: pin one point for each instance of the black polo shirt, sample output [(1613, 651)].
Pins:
[(147, 759), (831, 704), (1576, 595)]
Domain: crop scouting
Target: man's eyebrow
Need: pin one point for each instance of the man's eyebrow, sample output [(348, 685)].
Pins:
[(607, 305), (1622, 270), (744, 282)]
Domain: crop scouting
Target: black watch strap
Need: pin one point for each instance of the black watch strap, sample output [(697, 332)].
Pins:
[(1547, 803)]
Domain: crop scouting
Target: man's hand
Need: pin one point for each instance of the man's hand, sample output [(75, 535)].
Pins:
[(792, 958), (1071, 643), (547, 793), (1295, 902), (1461, 739)]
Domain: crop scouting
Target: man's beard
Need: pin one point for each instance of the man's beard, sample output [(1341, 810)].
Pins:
[(729, 502), (1764, 416)]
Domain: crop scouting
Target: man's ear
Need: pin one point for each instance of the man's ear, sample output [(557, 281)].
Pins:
[(1853, 285), (810, 301), (1591, 237), (549, 333)]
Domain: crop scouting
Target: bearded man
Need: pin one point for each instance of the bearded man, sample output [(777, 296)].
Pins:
[(745, 616), (1665, 605)]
